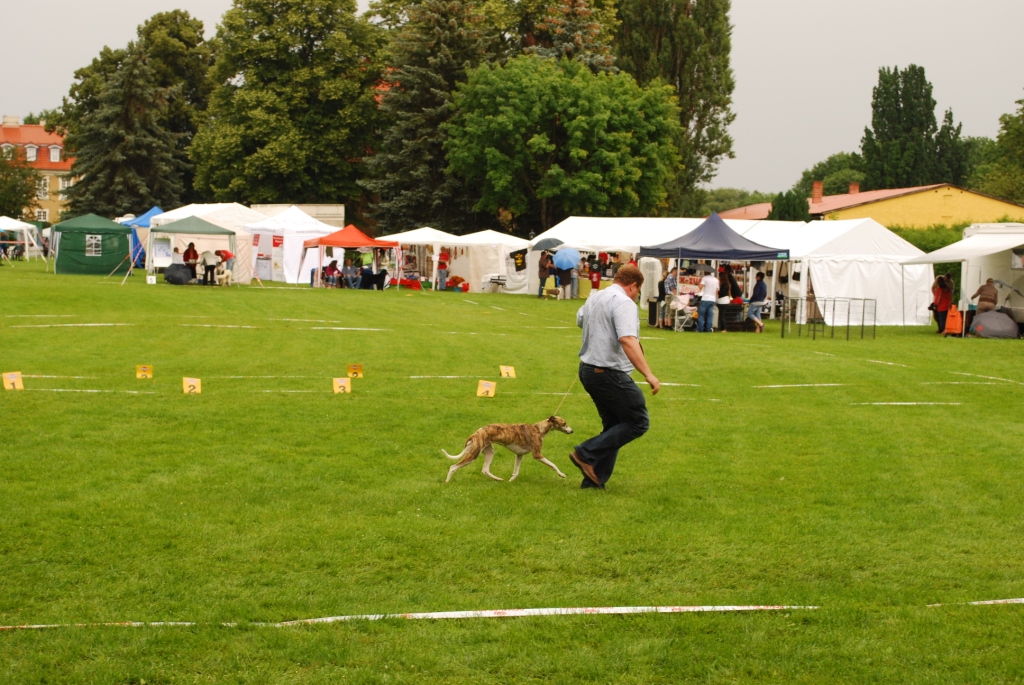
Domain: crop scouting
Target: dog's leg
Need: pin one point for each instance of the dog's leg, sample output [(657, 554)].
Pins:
[(488, 456), (539, 457), (515, 469), (467, 455)]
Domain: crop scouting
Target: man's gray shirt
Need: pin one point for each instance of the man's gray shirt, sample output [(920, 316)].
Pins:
[(607, 316)]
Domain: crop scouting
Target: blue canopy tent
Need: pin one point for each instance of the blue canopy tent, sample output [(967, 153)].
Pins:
[(713, 239), (141, 221)]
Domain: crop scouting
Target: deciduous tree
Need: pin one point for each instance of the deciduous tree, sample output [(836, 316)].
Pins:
[(18, 183), (294, 111), (126, 161), (687, 44), (1001, 168), (432, 52), (542, 139), (836, 172), (790, 206)]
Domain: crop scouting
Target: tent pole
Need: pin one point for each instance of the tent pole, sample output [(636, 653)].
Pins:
[(119, 265), (771, 295), (903, 291)]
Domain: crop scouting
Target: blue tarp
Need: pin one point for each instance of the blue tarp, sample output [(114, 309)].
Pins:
[(713, 239), (142, 221)]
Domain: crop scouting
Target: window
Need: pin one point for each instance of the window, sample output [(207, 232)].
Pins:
[(54, 154), (30, 153), (65, 182), (43, 215), (6, 147), (43, 189), (93, 246)]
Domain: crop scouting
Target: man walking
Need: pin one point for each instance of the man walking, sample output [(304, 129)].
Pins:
[(611, 350)]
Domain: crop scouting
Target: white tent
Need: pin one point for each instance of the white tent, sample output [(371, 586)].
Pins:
[(857, 258), (278, 244), (480, 255), (430, 237), (987, 251), (229, 215), (27, 234)]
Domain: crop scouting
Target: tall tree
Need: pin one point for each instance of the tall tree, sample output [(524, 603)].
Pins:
[(126, 161), (295, 110), (837, 172), (543, 139), (570, 30), (790, 206), (19, 183), (1001, 168), (904, 146), (687, 44), (442, 41)]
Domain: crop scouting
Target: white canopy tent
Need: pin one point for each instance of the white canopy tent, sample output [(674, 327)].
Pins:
[(986, 251), (26, 234), (426, 236), (857, 258), (278, 243), (229, 215), (484, 254)]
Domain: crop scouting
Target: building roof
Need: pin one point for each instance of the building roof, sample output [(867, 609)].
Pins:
[(35, 134), (831, 203)]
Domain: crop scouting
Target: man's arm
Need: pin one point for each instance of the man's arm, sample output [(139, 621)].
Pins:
[(631, 346)]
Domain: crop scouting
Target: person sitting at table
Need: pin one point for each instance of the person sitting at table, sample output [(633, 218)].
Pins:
[(351, 274), (332, 272), (191, 258)]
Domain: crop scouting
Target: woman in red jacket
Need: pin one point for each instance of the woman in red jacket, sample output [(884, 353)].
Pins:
[(942, 291)]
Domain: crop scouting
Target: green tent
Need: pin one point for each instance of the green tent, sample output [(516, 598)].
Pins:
[(90, 244)]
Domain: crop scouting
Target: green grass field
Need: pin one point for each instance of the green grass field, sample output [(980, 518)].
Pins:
[(269, 498)]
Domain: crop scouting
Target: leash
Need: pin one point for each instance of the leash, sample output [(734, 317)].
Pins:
[(555, 413)]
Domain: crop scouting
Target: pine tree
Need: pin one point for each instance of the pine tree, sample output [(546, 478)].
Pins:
[(442, 41), (570, 30), (687, 44), (125, 160)]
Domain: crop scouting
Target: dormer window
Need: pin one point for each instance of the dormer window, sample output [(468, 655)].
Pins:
[(54, 153), (6, 147), (30, 153)]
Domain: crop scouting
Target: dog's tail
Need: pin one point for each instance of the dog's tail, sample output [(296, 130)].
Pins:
[(453, 456)]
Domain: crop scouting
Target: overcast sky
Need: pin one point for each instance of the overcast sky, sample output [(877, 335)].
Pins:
[(804, 68)]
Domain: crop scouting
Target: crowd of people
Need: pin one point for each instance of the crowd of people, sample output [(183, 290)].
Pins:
[(217, 264), (568, 280)]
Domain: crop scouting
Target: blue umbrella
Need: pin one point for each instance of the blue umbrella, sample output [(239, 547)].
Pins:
[(567, 258)]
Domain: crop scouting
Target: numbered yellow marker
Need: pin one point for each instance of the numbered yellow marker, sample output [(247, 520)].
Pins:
[(355, 370), (508, 371), (342, 385), (12, 381), (144, 371), (486, 388), (192, 386)]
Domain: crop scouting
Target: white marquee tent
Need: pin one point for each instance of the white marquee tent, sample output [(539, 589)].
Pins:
[(484, 254), (429, 237), (986, 251), (277, 243), (229, 215), (26, 234), (856, 258)]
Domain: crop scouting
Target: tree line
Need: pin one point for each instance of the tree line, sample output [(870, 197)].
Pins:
[(448, 113)]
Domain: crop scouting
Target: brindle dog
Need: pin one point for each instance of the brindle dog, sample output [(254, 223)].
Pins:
[(519, 438)]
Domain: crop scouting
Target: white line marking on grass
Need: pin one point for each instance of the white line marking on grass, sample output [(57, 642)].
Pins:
[(958, 373), (825, 354), (294, 391), (498, 308), (212, 325), (690, 399), (803, 385), (25, 375), (223, 377), (958, 383), (1018, 600), (334, 328), (70, 325), (876, 361), (440, 615), (307, 320), (558, 328), (903, 404), (458, 377), (675, 385), (130, 392), (39, 316), (470, 302)]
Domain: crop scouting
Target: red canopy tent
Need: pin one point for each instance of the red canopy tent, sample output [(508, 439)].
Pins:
[(350, 238)]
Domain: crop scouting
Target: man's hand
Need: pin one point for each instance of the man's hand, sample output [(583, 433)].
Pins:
[(654, 383), (635, 354)]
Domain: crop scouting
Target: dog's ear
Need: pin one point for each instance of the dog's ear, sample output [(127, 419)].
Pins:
[(553, 419)]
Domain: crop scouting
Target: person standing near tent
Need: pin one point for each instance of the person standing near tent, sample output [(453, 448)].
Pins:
[(757, 300), (609, 353), (708, 303), (228, 257), (943, 298), (191, 258), (209, 260), (987, 296), (543, 271), (442, 269)]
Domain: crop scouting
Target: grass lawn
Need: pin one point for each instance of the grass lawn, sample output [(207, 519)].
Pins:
[(269, 498)]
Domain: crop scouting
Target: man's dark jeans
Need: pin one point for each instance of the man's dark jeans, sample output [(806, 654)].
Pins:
[(623, 411)]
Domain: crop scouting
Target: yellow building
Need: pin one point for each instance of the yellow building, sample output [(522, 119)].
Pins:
[(918, 207)]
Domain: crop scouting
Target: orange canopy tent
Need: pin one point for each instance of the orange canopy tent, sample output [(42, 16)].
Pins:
[(350, 238)]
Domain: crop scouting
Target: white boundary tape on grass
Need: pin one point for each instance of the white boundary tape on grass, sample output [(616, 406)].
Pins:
[(1018, 600), (129, 392), (213, 325), (28, 375), (903, 404), (334, 328), (878, 361), (442, 615), (959, 373), (803, 385), (40, 316), (70, 325)]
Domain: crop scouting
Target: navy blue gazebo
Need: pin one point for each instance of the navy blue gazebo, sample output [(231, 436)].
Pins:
[(713, 239)]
